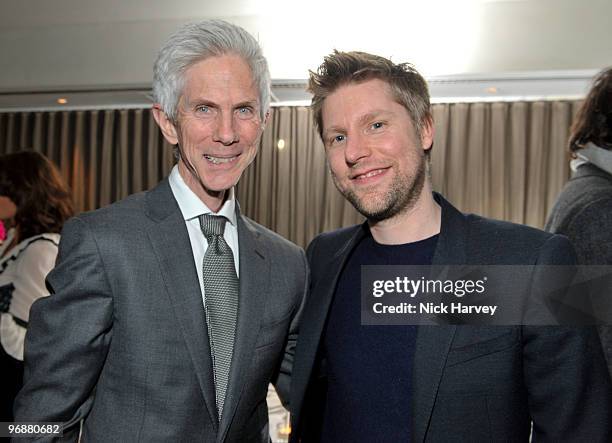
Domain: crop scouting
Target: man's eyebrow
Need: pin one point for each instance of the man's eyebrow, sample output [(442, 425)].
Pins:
[(247, 103), (202, 102), (333, 129), (373, 115)]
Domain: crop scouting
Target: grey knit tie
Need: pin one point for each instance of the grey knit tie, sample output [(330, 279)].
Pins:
[(221, 301)]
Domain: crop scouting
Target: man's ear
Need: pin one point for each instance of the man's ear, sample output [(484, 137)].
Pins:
[(266, 118), (165, 124), (427, 133)]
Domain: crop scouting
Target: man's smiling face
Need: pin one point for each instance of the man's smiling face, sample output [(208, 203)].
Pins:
[(376, 158), (218, 125)]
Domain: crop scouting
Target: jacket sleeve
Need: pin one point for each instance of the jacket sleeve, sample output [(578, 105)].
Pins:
[(283, 379), (68, 336), (569, 389)]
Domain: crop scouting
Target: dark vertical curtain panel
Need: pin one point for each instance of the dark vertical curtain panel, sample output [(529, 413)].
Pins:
[(505, 160)]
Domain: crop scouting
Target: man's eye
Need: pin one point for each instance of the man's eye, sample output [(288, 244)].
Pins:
[(245, 112), (377, 125), (203, 109), (338, 139)]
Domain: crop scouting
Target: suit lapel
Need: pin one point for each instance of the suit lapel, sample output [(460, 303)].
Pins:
[(254, 284), (434, 342), (432, 346), (313, 321), (170, 241)]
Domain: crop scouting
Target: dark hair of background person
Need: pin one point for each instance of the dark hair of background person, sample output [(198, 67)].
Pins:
[(35, 186), (593, 122), (407, 86)]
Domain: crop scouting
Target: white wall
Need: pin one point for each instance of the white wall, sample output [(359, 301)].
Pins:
[(80, 44)]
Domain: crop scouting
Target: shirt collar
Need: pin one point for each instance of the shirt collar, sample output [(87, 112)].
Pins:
[(190, 204), (591, 153)]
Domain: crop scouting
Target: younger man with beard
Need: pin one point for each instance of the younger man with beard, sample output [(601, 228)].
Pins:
[(356, 383)]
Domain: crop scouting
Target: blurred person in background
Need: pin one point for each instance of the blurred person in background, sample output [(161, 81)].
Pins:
[(34, 203), (583, 210)]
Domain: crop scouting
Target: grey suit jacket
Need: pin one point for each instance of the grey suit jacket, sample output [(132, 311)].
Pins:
[(471, 383), (122, 343), (583, 212)]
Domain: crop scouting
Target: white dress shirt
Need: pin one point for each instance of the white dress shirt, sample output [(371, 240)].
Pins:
[(25, 266), (192, 207)]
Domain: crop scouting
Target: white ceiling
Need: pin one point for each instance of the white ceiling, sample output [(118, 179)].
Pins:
[(87, 45)]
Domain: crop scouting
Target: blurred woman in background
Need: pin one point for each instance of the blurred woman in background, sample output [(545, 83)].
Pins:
[(34, 204)]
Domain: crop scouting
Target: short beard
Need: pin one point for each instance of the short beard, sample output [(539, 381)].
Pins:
[(401, 196)]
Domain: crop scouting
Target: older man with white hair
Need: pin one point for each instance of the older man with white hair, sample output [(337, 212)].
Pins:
[(170, 311)]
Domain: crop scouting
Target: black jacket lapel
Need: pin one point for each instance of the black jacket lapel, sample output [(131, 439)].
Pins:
[(313, 321), (433, 342)]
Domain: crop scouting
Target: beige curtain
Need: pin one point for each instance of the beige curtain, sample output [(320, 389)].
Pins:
[(103, 155), (505, 160)]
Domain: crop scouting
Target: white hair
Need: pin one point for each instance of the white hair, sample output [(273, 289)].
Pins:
[(195, 42)]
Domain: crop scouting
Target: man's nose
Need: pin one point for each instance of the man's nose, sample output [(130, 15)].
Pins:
[(356, 149), (225, 130)]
